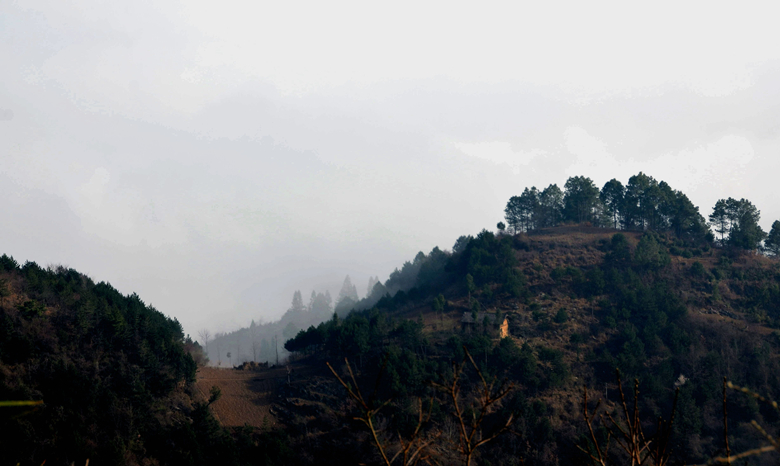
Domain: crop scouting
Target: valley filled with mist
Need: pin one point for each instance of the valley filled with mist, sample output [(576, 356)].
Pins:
[(493, 351), (308, 233)]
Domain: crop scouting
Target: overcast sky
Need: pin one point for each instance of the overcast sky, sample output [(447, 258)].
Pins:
[(216, 156)]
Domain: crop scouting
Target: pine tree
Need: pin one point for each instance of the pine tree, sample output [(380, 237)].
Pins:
[(297, 302), (612, 196), (550, 212), (348, 291), (312, 299), (744, 233), (372, 281), (772, 243), (719, 219), (580, 199), (512, 214)]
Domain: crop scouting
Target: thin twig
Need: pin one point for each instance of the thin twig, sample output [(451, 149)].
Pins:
[(489, 396), (726, 424)]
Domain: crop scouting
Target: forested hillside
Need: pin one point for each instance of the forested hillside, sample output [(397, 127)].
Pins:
[(103, 377), (581, 302), (478, 354), (664, 301)]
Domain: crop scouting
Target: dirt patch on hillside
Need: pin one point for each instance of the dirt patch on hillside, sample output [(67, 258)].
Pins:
[(252, 397), (246, 395)]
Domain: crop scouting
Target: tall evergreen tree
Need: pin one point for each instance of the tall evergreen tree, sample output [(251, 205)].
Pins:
[(665, 199), (372, 281), (348, 290), (312, 299), (512, 214), (642, 199), (612, 196), (297, 302), (551, 206), (745, 232), (686, 221), (529, 207), (348, 296), (321, 305), (580, 199), (772, 242), (719, 219), (462, 242)]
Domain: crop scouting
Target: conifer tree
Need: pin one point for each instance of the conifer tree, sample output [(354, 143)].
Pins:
[(372, 281), (612, 196), (297, 302), (550, 211), (738, 218), (580, 198), (745, 232), (512, 214), (772, 243), (529, 208), (719, 219), (348, 291)]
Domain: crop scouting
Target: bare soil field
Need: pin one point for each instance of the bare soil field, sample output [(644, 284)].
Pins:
[(249, 396), (246, 395)]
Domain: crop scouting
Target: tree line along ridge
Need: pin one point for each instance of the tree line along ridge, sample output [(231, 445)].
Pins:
[(642, 204), (654, 289)]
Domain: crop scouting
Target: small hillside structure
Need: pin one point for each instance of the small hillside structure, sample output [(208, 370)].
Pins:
[(467, 321)]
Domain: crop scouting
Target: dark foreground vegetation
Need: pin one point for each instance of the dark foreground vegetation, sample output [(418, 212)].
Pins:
[(114, 378), (493, 353)]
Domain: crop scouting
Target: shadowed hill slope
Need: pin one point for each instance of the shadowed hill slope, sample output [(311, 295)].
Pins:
[(113, 378), (118, 380), (581, 302)]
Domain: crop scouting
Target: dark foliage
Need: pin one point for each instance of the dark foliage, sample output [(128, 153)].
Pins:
[(107, 368)]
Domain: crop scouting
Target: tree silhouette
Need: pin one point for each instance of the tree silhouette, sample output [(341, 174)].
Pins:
[(745, 232), (550, 210), (580, 199), (512, 214), (772, 243), (719, 219), (612, 196), (297, 303)]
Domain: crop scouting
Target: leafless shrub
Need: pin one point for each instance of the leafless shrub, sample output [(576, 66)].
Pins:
[(627, 431), (471, 415), (410, 451), (728, 458)]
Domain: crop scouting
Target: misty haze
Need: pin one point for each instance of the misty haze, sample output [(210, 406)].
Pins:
[(308, 233)]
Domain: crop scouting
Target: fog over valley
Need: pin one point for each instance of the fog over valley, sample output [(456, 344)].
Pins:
[(216, 157)]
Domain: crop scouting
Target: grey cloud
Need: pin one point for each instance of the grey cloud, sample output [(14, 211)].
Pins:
[(217, 204)]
